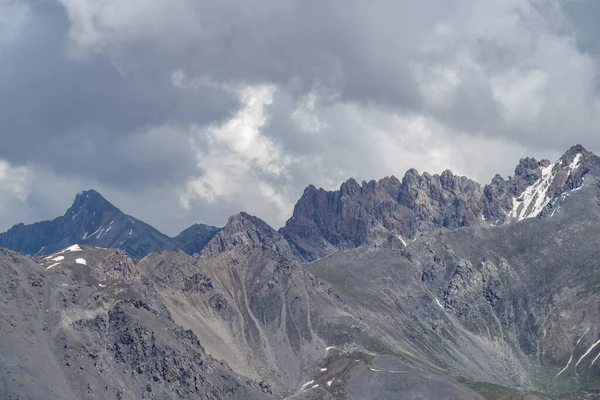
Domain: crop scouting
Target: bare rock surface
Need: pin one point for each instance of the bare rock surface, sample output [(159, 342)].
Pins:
[(433, 287)]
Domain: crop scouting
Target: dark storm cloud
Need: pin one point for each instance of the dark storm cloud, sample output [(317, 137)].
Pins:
[(381, 54), (89, 117), (230, 105)]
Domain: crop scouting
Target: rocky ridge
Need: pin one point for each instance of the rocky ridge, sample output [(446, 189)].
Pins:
[(416, 290), (390, 212)]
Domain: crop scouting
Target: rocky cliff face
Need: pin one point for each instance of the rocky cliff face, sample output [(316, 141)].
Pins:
[(390, 212), (385, 213), (246, 230), (536, 186)]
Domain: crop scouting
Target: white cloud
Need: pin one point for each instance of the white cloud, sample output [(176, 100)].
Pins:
[(237, 159), (14, 180), (521, 95), (14, 190), (304, 115), (109, 25)]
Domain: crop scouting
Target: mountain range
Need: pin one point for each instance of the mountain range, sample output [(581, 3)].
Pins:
[(428, 287)]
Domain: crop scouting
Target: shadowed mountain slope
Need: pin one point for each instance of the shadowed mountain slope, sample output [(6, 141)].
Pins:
[(95, 221)]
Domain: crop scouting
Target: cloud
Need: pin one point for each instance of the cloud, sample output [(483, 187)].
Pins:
[(187, 111), (13, 180), (236, 159)]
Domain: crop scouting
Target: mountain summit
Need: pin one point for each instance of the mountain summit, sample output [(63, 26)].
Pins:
[(90, 220), (90, 200)]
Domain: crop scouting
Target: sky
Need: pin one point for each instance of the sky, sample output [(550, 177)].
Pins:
[(188, 111)]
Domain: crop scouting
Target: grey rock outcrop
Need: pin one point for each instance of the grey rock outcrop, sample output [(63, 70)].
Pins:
[(390, 213), (386, 213), (68, 335), (245, 230)]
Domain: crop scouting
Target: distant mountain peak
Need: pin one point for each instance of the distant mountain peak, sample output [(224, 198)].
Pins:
[(91, 220), (243, 229), (244, 223), (194, 238), (576, 156), (91, 200)]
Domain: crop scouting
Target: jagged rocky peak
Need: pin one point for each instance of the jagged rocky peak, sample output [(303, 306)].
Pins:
[(387, 212), (527, 172), (244, 222), (390, 211), (246, 230), (445, 200), (536, 185)]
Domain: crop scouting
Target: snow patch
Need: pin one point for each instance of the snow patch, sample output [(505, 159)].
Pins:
[(594, 360), (59, 258), (329, 382), (566, 366), (575, 163), (579, 187), (438, 303), (53, 265), (307, 384), (101, 285), (81, 261), (323, 369), (42, 249), (75, 247), (329, 348), (96, 231), (402, 240), (130, 232), (581, 338), (533, 200), (588, 352), (375, 370)]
